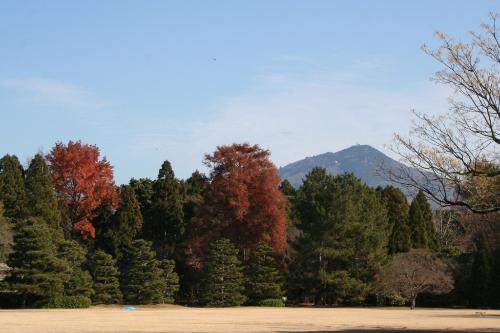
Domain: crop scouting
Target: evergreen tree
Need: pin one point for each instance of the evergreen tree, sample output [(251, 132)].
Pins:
[(164, 223), (171, 280), (36, 269), (141, 274), (6, 236), (481, 275), (264, 277), (343, 242), (423, 233), (78, 281), (143, 190), (40, 194), (106, 279), (126, 223), (397, 214), (223, 282), (12, 186)]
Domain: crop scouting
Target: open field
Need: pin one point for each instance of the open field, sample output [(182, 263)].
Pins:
[(246, 319)]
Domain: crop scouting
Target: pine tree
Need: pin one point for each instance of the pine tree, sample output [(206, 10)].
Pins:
[(171, 280), (265, 280), (164, 223), (40, 194), (141, 275), (36, 269), (343, 242), (397, 214), (6, 236), (126, 224), (223, 282), (78, 281), (423, 233), (481, 275), (106, 279), (12, 186)]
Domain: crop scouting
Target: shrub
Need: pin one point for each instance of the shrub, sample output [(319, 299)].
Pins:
[(68, 302), (274, 302)]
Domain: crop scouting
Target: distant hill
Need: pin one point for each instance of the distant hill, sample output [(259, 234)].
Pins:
[(362, 160)]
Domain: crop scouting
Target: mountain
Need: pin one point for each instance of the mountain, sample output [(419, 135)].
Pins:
[(363, 161)]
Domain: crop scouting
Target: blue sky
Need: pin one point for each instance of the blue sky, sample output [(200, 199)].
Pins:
[(153, 80)]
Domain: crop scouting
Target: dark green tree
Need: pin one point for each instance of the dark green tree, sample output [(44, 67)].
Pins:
[(40, 194), (164, 223), (265, 280), (143, 189), (171, 279), (36, 269), (126, 224), (78, 281), (12, 192), (106, 279), (223, 281), (397, 214), (141, 275), (481, 275), (343, 242), (6, 236), (423, 234)]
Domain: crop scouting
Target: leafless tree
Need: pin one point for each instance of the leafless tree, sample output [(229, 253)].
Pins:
[(447, 226), (412, 273), (455, 158)]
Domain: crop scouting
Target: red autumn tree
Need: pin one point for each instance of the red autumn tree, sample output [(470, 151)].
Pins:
[(243, 201), (83, 182)]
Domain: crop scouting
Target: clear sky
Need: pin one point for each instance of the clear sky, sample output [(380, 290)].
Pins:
[(153, 80)]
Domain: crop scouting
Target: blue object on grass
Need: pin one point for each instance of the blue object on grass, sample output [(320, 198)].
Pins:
[(129, 308)]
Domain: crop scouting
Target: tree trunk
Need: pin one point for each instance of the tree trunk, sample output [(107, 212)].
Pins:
[(413, 302)]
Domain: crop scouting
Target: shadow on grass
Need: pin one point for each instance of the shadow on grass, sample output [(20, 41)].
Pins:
[(384, 330)]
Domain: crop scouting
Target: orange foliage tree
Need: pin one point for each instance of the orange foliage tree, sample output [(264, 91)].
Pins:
[(83, 182), (243, 202)]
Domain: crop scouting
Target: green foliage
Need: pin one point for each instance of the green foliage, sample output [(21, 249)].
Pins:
[(272, 302), (265, 280), (344, 226), (164, 222), (423, 234), (126, 224), (36, 269), (223, 281), (143, 190), (12, 192), (40, 194), (481, 274), (397, 214), (68, 302), (78, 281), (141, 274), (106, 279), (6, 236), (171, 279)]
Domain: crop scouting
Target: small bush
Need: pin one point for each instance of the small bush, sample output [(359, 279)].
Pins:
[(68, 302), (274, 302)]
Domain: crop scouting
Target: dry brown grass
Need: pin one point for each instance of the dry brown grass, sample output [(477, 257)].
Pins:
[(246, 319)]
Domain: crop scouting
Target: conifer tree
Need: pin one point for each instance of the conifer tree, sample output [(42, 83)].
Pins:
[(223, 282), (78, 281), (141, 274), (6, 236), (423, 233), (164, 223), (36, 269), (171, 280), (40, 194), (126, 224), (481, 275), (265, 280), (143, 190), (12, 192), (397, 214), (106, 279), (343, 242)]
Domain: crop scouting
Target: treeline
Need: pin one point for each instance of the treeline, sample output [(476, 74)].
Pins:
[(69, 237)]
